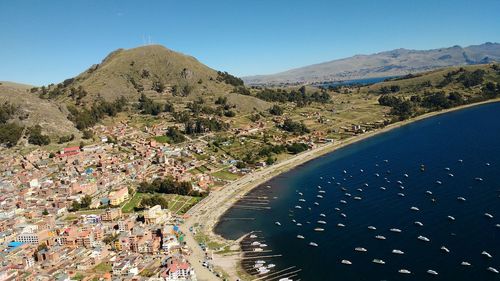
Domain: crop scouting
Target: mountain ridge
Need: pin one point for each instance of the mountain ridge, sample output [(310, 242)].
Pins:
[(395, 62)]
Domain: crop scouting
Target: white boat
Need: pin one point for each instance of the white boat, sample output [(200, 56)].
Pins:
[(302, 200), (271, 265), (260, 262), (413, 208), (401, 194), (399, 182), (285, 279), (432, 272), (406, 175), (423, 238), (313, 244), (404, 271), (322, 191), (366, 184), (464, 263), (357, 198), (343, 215), (479, 179), (322, 215), (444, 249), (336, 209), (347, 262), (253, 236), (451, 218), (319, 196), (340, 225), (255, 243), (380, 237), (298, 224), (362, 171), (451, 175), (319, 229), (263, 245), (397, 230), (298, 207), (278, 223), (429, 192), (461, 199), (498, 225), (439, 182), (488, 215), (372, 227), (348, 194), (486, 254), (419, 223), (263, 270), (386, 161), (398, 252), (294, 221), (447, 169), (487, 164), (301, 194), (258, 250), (377, 175), (322, 222), (460, 160), (360, 249), (316, 203), (345, 172), (383, 188), (300, 236), (378, 261), (492, 269)]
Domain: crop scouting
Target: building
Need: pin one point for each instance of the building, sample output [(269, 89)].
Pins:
[(116, 197), (111, 214), (179, 271), (155, 215)]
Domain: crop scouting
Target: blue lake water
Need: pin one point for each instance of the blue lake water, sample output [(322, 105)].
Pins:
[(472, 135), (364, 81)]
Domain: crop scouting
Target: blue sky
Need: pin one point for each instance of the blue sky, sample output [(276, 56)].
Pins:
[(48, 41)]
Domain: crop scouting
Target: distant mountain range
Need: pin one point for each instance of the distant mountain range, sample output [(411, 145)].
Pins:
[(390, 63)]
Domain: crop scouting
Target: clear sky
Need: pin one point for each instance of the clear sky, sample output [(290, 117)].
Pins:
[(48, 41)]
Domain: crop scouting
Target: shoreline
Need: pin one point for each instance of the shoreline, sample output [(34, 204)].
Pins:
[(208, 212)]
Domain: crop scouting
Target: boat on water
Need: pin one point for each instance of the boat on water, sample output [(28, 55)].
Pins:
[(479, 179), (406, 175), (348, 194), (487, 164), (488, 215), (255, 243), (347, 262), (451, 175), (372, 227), (464, 263), (460, 198), (343, 215), (380, 237), (447, 169), (423, 238), (398, 252), (321, 222), (322, 191), (428, 192), (498, 225), (360, 249), (486, 254), (271, 265), (336, 209), (263, 270), (278, 223), (401, 194), (451, 218), (360, 189), (378, 261), (432, 272), (404, 271), (298, 207), (397, 230), (316, 203), (253, 236), (260, 262), (413, 208), (263, 245), (301, 194), (341, 225), (444, 249), (298, 224), (377, 174), (258, 250), (383, 188), (439, 182), (460, 160), (319, 229), (399, 182), (418, 223), (313, 244), (492, 269), (357, 198), (302, 200), (319, 196), (322, 215), (300, 236)]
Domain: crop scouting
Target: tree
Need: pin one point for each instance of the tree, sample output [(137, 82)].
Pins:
[(86, 201), (10, 134), (36, 137), (294, 127), (45, 212), (276, 110), (175, 135)]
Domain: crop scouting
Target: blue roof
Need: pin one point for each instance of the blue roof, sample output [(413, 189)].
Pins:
[(13, 245)]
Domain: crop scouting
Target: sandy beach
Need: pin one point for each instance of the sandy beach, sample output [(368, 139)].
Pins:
[(209, 210)]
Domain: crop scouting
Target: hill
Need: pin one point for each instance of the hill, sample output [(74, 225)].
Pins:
[(390, 63), (32, 110)]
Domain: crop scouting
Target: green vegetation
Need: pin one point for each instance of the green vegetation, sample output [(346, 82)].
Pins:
[(204, 125), (175, 135), (10, 133), (65, 139), (294, 127), (83, 204), (36, 137), (297, 148), (153, 200), (229, 79), (276, 110), (300, 97), (87, 118), (167, 186)]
